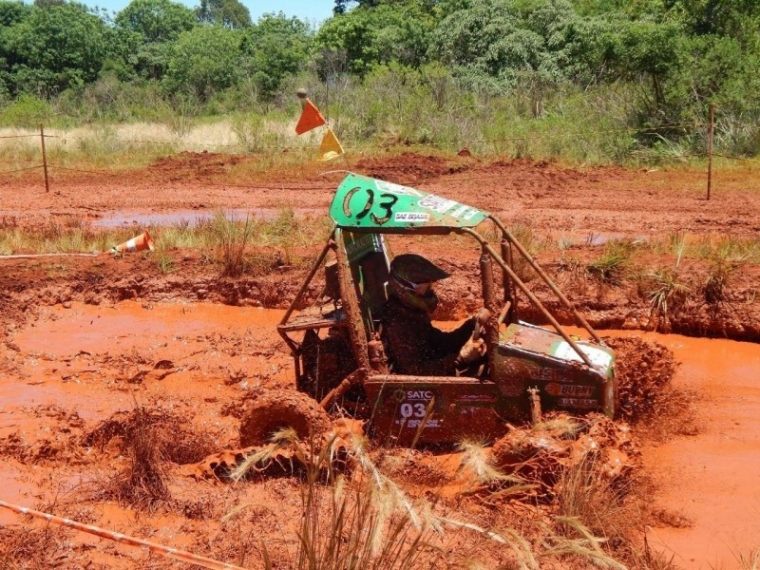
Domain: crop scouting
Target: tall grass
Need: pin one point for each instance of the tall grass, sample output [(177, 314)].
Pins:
[(232, 239), (391, 106), (237, 246), (611, 266)]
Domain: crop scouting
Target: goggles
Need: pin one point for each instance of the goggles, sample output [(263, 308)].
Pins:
[(418, 288)]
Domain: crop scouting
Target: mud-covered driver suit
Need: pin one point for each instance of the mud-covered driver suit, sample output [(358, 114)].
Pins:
[(415, 346), (412, 343)]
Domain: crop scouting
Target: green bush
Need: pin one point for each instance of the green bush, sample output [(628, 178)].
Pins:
[(26, 112)]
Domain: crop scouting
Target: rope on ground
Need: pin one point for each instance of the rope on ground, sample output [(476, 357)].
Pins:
[(169, 552), (34, 255)]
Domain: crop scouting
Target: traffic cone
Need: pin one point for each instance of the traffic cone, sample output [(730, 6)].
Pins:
[(138, 243)]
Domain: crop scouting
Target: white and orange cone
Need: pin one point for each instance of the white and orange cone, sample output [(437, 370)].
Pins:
[(138, 243)]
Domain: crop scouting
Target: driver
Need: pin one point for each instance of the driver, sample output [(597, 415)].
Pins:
[(413, 344)]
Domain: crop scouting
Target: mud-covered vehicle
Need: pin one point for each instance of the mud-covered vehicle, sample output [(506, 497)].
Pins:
[(340, 358)]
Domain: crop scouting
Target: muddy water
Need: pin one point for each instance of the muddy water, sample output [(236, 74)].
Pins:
[(192, 217), (70, 353), (715, 477), (712, 478)]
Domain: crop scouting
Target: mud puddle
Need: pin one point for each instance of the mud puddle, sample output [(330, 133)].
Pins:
[(130, 324), (709, 479), (95, 359), (192, 218)]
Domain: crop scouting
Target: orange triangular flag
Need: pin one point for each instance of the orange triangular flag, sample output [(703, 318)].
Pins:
[(310, 118), (330, 147)]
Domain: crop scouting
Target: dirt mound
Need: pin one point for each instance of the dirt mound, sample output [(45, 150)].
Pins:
[(259, 463), (542, 454), (194, 165), (280, 409), (643, 371), (286, 457), (174, 438), (406, 168)]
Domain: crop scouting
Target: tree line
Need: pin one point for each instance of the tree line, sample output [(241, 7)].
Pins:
[(676, 55)]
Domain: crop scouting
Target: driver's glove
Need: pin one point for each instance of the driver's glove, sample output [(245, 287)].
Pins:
[(472, 351)]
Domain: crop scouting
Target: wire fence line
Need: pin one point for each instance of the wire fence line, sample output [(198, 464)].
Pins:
[(18, 136), (21, 169), (554, 133)]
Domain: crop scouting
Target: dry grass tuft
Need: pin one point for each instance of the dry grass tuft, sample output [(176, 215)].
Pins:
[(142, 482), (588, 495), (30, 547), (174, 439), (232, 238)]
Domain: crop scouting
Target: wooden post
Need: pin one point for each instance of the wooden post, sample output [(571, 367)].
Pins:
[(710, 149), (44, 159)]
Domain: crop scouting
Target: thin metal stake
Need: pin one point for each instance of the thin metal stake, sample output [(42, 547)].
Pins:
[(44, 159), (710, 148)]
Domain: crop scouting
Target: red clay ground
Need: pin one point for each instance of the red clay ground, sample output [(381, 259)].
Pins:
[(84, 338)]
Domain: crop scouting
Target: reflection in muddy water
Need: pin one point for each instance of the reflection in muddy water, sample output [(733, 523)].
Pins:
[(192, 218)]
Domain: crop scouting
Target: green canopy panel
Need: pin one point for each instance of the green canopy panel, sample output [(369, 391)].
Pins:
[(363, 203)]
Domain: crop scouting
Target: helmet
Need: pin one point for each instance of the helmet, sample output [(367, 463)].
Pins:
[(411, 279), (416, 270)]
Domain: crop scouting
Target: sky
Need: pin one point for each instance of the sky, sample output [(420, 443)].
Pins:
[(313, 11)]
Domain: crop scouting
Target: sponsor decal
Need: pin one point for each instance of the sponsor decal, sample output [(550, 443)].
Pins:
[(584, 403), (431, 423), (436, 203), (397, 189), (597, 356), (419, 395), (554, 389), (471, 214), (477, 398), (362, 245), (460, 210), (511, 387), (408, 217)]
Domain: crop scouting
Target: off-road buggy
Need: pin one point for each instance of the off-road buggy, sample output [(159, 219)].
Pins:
[(340, 357)]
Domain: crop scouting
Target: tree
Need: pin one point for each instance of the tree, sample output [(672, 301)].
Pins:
[(12, 13), (228, 13), (145, 31), (471, 37), (204, 60), (275, 47), (652, 50), (721, 17), (55, 48), (156, 20), (342, 6), (378, 34)]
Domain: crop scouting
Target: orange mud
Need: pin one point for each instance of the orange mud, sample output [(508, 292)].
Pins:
[(86, 340), (711, 478), (78, 367)]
